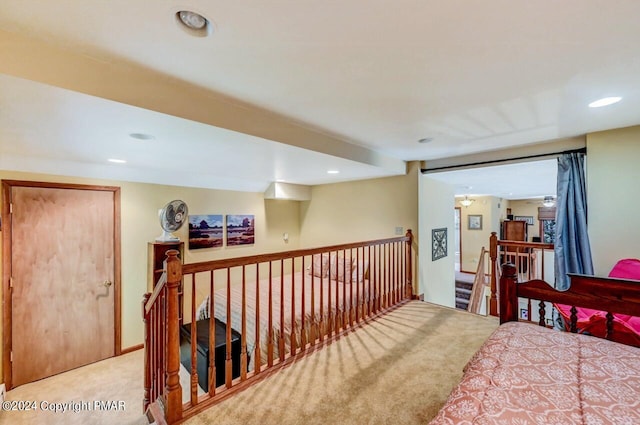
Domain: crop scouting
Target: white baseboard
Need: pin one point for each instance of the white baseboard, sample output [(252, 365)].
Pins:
[(3, 392)]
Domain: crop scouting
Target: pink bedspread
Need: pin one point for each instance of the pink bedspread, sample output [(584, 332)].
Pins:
[(527, 374)]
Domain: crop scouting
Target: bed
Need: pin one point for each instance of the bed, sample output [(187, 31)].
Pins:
[(528, 373), (327, 291)]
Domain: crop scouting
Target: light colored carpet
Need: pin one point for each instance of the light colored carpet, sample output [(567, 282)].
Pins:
[(397, 370), (119, 379)]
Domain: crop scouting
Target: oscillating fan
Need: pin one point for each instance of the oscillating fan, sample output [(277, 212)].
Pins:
[(172, 217)]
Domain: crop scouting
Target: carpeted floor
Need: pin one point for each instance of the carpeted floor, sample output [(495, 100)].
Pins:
[(397, 370), (116, 384)]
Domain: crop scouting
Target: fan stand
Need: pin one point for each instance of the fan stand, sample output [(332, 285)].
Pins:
[(167, 237)]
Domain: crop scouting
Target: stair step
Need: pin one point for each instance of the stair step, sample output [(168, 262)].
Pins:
[(463, 291), (462, 301)]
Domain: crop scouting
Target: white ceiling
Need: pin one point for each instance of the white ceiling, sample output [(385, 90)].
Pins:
[(535, 179), (381, 74)]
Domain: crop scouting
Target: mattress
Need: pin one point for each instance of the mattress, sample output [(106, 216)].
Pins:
[(528, 374)]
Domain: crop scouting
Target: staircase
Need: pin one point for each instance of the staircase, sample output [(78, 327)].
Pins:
[(463, 290)]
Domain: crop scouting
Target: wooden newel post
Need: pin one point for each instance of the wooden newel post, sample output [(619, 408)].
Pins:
[(493, 254), (508, 294), (408, 265), (147, 354), (173, 390)]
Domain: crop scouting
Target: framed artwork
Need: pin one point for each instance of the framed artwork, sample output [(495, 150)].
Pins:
[(527, 218), (205, 231), (475, 222), (240, 230), (524, 314), (438, 243)]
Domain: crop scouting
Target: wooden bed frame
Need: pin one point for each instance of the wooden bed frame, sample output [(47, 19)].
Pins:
[(599, 293), (519, 371), (388, 284)]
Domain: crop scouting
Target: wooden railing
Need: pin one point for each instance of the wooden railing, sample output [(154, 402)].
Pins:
[(162, 355), (528, 259), (273, 308), (479, 285)]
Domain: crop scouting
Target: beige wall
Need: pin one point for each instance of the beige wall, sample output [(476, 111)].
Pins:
[(436, 278), (361, 210), (140, 204), (345, 212), (613, 173), (527, 207), (474, 240)]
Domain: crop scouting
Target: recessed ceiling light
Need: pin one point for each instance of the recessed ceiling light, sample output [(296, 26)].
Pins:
[(194, 23), (192, 20), (117, 161), (605, 101), (333, 172), (426, 140), (141, 136)]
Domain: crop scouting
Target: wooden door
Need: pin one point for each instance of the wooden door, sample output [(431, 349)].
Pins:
[(64, 279)]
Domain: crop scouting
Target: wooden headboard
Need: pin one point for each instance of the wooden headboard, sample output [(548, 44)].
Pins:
[(600, 293)]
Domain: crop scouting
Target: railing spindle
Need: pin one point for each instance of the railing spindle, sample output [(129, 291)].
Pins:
[(358, 301), (321, 324), (292, 337), (367, 273), (270, 337), (379, 281), (303, 332), (339, 312), (346, 314), (212, 338), (257, 354), (193, 345), (313, 333), (228, 367), (243, 337), (282, 301)]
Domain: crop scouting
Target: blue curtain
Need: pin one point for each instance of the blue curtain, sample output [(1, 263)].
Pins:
[(572, 249)]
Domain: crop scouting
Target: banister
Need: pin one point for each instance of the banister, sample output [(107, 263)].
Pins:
[(390, 283), (409, 269), (522, 244), (518, 246), (493, 254), (479, 283), (150, 301), (263, 258), (173, 390)]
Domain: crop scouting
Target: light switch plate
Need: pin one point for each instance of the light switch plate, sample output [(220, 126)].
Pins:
[(399, 231)]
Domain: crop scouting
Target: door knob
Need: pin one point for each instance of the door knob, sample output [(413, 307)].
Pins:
[(106, 283)]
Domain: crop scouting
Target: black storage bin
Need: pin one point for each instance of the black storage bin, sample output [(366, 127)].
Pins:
[(202, 352)]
